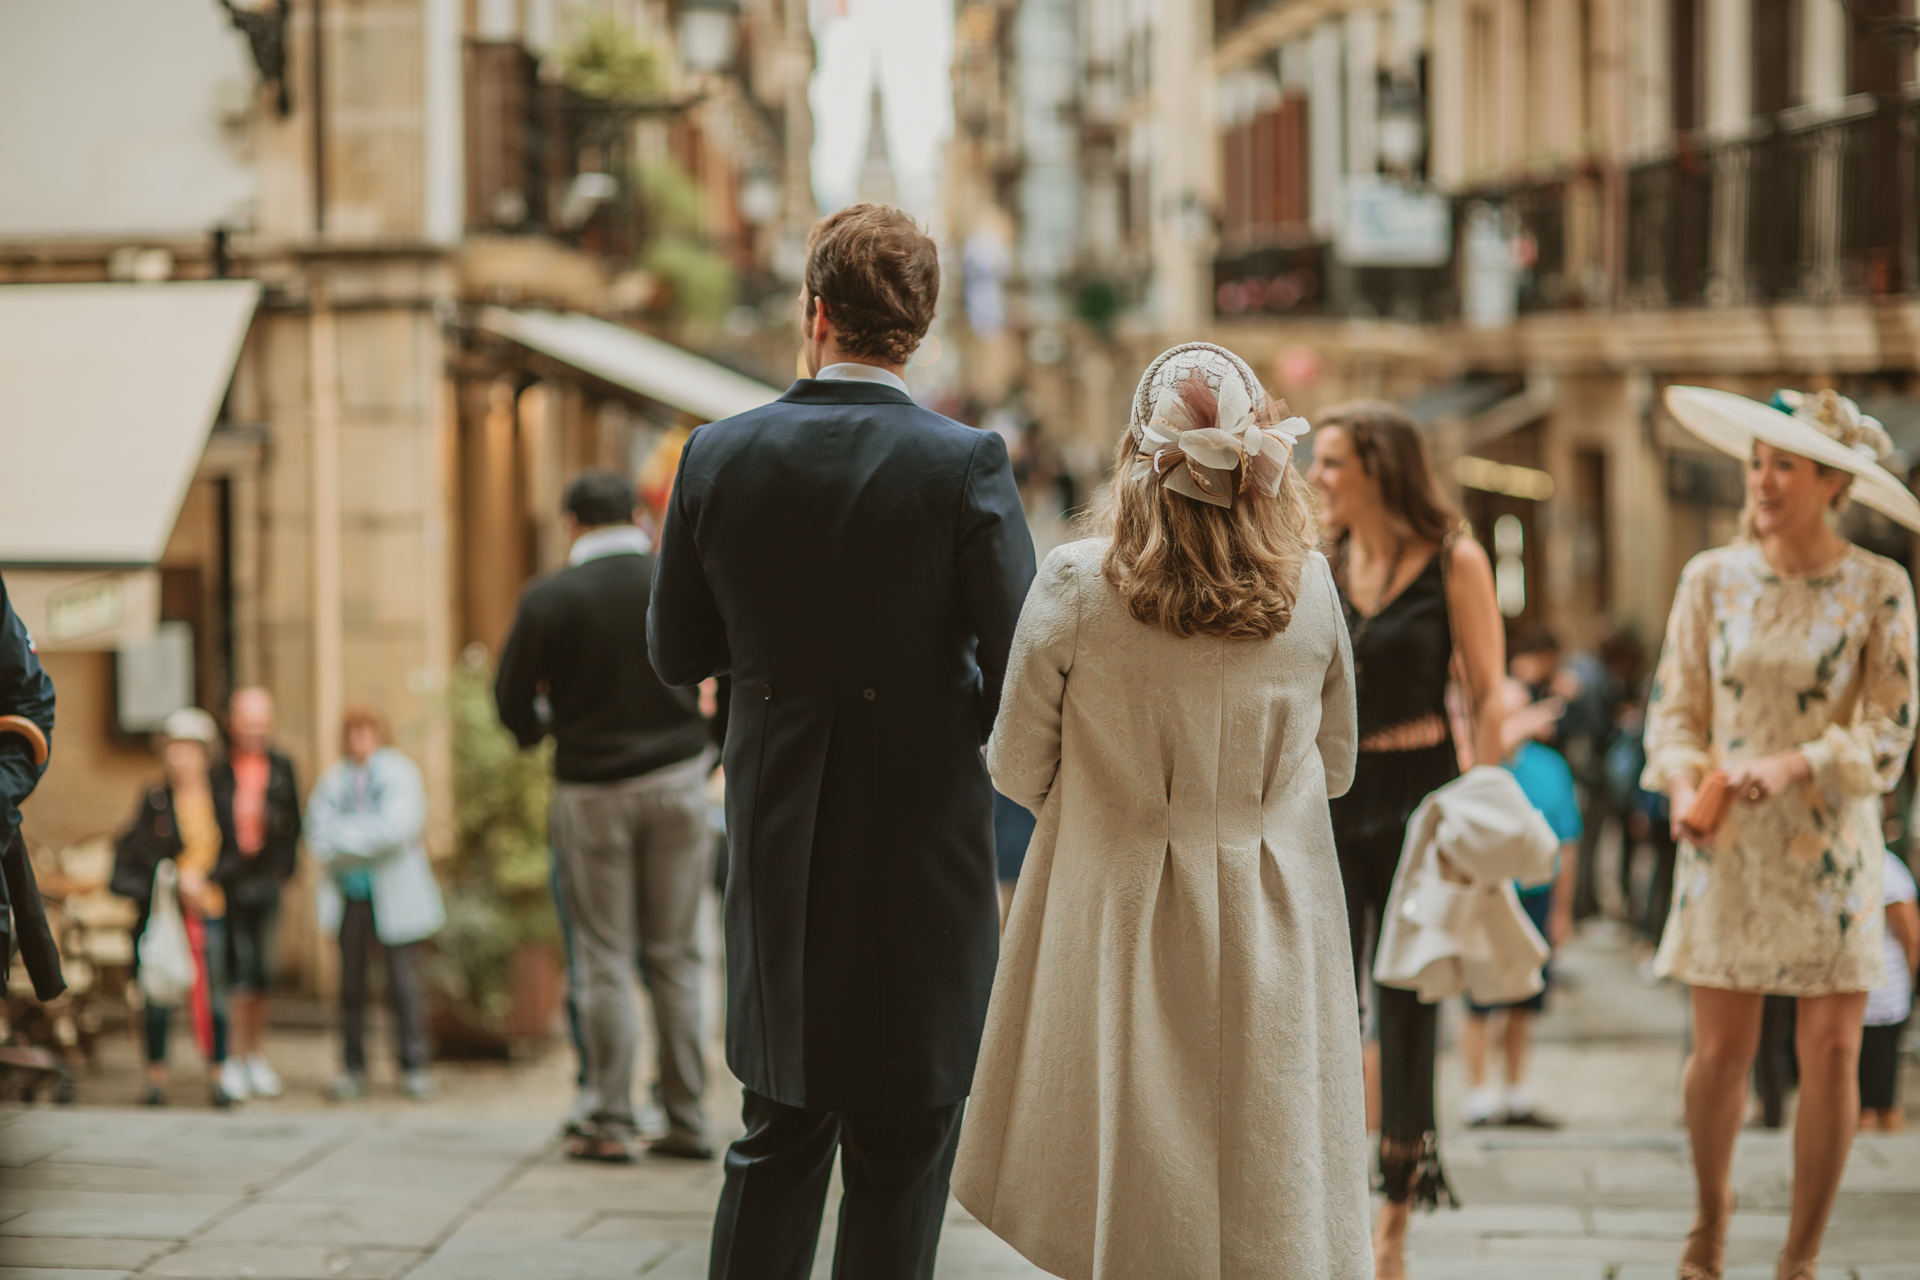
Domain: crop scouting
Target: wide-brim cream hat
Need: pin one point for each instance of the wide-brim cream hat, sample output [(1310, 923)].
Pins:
[(1822, 426)]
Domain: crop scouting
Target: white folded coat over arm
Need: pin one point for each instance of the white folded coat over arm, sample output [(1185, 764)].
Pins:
[(1454, 921)]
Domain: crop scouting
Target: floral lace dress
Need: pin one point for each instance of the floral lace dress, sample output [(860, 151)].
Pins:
[(1785, 898)]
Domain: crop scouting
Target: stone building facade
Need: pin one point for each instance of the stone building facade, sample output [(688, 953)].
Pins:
[(1520, 218), (374, 473)]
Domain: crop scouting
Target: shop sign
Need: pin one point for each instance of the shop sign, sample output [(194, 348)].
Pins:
[(1391, 224), (97, 604)]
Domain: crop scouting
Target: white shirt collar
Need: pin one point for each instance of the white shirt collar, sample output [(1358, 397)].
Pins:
[(611, 540), (852, 371)]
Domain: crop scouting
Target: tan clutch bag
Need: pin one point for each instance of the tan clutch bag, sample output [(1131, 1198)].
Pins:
[(1710, 804)]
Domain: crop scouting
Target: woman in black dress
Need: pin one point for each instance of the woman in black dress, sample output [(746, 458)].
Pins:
[(1400, 554)]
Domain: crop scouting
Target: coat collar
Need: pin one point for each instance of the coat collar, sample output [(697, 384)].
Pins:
[(821, 391)]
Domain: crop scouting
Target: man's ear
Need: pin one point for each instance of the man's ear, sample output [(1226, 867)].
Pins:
[(817, 318)]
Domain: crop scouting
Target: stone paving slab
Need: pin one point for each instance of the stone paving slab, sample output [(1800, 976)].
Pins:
[(517, 1258), (414, 1222), (1421, 1268), (24, 1252), (283, 1262), (626, 1226), (392, 1195)]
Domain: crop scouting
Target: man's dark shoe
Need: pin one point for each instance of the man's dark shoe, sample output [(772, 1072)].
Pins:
[(604, 1144), (681, 1146), (1531, 1120)]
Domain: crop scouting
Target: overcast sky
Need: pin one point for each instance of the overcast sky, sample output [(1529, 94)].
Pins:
[(906, 48)]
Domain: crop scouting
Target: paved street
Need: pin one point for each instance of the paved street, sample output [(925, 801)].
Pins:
[(472, 1186), (385, 1194)]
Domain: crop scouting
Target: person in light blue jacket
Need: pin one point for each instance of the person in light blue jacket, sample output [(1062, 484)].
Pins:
[(363, 826)]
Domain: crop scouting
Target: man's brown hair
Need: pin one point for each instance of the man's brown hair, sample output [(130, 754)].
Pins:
[(879, 275)]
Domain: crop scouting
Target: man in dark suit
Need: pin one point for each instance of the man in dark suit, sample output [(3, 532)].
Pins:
[(857, 564)]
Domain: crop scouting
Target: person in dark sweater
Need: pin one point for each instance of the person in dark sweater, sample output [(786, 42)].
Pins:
[(630, 827)]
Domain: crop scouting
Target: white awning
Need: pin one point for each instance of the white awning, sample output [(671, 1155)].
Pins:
[(106, 395), (655, 369)]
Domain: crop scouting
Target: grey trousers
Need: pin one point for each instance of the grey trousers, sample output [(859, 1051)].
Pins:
[(633, 864)]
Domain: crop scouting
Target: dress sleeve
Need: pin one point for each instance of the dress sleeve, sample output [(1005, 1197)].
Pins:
[(1867, 757), (1024, 752), (1339, 738), (1680, 707)]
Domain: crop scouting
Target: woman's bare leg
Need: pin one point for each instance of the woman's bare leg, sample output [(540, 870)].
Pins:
[(1827, 1038), (1390, 1241), (1726, 1031), (1370, 1070), (1473, 1049)]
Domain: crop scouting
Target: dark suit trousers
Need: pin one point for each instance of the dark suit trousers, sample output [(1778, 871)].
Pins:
[(894, 1169)]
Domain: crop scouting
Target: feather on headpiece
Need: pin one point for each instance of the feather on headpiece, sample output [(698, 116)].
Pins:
[(1204, 425)]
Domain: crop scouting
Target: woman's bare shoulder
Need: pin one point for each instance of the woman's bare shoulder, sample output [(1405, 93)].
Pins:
[(1469, 555)]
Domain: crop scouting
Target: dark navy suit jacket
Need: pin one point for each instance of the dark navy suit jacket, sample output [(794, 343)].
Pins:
[(857, 563)]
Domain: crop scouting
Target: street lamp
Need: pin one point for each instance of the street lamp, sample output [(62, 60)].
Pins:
[(707, 30)]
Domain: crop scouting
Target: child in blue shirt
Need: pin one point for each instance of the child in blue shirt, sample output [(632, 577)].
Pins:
[(1547, 781)]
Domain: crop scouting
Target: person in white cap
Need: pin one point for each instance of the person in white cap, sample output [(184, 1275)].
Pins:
[(1782, 710), (177, 821)]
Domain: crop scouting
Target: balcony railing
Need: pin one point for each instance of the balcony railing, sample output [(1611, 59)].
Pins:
[(1810, 206), (530, 140)]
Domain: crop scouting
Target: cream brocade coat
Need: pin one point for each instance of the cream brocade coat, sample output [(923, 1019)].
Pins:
[(1786, 897), (1170, 1084)]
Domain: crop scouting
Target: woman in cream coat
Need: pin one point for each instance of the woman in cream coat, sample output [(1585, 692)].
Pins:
[(1170, 1085)]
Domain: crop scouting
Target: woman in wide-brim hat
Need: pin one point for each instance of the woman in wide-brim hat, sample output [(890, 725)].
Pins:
[(1789, 667)]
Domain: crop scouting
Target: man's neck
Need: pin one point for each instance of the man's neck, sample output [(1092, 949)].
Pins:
[(829, 354), (860, 371), (601, 540)]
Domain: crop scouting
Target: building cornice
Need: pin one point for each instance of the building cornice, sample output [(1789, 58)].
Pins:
[(1865, 336), (1269, 29)]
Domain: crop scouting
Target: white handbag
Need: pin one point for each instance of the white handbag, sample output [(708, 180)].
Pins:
[(167, 971)]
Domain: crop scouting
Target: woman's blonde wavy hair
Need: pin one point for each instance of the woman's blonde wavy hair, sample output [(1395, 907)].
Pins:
[(1194, 569)]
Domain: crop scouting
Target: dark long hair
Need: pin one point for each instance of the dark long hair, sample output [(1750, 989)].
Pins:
[(1391, 449)]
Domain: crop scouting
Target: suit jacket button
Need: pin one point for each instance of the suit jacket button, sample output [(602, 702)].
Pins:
[(868, 694), (766, 692)]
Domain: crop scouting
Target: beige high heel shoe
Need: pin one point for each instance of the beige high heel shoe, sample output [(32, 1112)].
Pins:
[(1797, 1268), (1715, 1231)]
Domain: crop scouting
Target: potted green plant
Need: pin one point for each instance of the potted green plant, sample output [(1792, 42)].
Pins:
[(496, 971)]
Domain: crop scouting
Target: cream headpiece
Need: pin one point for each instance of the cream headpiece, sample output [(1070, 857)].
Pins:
[(1203, 424)]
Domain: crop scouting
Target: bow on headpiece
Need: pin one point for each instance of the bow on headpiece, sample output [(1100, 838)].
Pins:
[(1837, 418), (1203, 425)]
